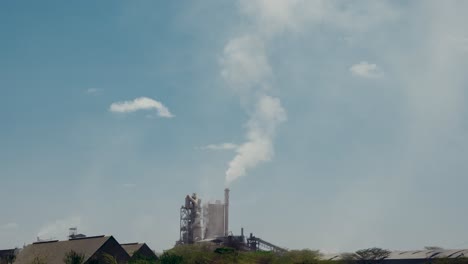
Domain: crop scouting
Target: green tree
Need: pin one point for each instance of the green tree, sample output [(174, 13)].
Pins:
[(304, 256), (73, 257), (140, 259), (39, 260), (9, 259), (108, 259), (433, 248), (196, 253), (212, 254), (169, 258), (371, 255)]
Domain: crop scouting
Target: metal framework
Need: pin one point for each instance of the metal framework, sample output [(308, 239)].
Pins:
[(258, 244), (190, 220)]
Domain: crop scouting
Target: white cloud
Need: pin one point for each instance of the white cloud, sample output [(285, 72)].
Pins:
[(366, 70), (222, 146), (459, 43), (141, 103), (276, 16), (93, 91), (129, 185), (9, 226), (58, 229), (273, 16)]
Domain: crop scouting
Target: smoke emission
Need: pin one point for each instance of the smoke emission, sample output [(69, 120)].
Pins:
[(246, 69)]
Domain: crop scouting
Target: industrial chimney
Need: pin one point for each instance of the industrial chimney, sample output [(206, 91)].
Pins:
[(226, 212)]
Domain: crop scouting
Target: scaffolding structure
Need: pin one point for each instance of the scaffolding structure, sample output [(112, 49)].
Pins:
[(258, 244), (190, 220)]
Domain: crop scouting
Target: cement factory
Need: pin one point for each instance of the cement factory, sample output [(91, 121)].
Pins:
[(203, 223), (209, 222)]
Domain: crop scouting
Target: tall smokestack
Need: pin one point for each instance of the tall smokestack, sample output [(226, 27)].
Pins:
[(226, 212)]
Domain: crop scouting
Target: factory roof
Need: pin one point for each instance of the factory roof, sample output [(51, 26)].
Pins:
[(53, 252), (429, 254), (413, 254)]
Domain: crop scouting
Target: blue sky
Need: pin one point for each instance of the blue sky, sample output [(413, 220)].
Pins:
[(337, 126)]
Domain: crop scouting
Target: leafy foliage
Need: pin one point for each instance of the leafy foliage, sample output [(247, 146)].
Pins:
[(39, 260), (168, 258), (73, 257), (9, 259), (140, 259), (433, 248), (369, 255), (207, 254), (108, 259), (304, 256)]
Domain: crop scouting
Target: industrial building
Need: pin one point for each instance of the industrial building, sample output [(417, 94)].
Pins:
[(209, 223), (203, 221), (199, 222), (216, 218)]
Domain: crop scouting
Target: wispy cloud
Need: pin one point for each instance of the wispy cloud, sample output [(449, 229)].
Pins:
[(141, 103), (129, 185), (93, 91), (273, 17), (9, 226), (366, 70), (58, 229), (459, 43), (222, 146)]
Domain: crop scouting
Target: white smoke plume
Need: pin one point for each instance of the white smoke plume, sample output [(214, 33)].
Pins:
[(246, 70), (245, 66), (259, 145)]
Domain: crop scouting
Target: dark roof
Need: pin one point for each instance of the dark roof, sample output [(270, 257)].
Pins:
[(53, 252), (137, 250), (131, 248), (7, 252)]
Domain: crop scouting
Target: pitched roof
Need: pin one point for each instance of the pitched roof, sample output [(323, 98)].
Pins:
[(4, 252), (414, 254), (131, 248), (137, 250), (53, 252)]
